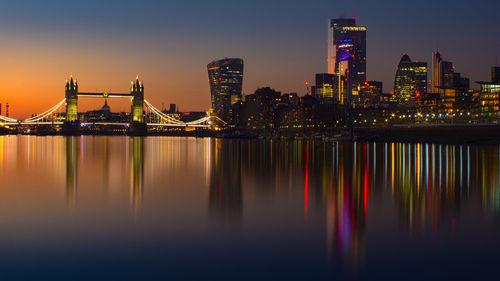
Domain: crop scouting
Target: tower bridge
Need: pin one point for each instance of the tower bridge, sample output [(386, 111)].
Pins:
[(137, 125)]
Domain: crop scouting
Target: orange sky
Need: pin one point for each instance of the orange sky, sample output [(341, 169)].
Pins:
[(33, 79)]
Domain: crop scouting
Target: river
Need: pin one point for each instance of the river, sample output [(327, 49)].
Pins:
[(124, 208)]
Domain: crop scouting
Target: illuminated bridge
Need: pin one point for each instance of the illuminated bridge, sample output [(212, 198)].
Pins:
[(138, 124)]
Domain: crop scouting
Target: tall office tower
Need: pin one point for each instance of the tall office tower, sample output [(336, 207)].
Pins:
[(411, 79), (421, 70), (442, 73), (226, 80), (436, 72), (404, 83), (347, 56)]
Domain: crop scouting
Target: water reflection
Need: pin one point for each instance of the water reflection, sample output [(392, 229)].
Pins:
[(431, 183), (225, 196), (347, 197), (72, 150), (137, 173), (427, 184)]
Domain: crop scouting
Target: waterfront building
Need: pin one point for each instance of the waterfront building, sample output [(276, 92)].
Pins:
[(226, 80), (288, 111), (258, 109), (455, 93), (347, 56), (489, 97)]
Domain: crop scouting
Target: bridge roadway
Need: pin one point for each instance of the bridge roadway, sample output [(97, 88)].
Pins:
[(105, 95)]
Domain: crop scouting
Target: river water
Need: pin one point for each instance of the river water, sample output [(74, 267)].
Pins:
[(157, 208)]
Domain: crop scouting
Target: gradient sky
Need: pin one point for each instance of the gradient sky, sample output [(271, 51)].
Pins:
[(169, 43)]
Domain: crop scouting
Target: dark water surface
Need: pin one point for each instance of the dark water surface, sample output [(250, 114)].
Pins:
[(119, 208)]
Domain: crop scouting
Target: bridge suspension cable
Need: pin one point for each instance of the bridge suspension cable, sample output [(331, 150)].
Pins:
[(7, 119), (220, 120), (45, 114), (174, 121), (163, 115)]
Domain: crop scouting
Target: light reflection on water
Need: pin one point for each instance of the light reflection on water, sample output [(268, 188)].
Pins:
[(312, 209)]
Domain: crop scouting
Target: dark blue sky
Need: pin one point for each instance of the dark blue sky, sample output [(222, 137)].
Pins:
[(282, 42)]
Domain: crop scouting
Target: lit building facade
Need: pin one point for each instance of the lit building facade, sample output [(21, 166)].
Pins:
[(421, 82), (410, 80), (226, 80), (326, 86), (489, 98), (404, 83), (347, 56)]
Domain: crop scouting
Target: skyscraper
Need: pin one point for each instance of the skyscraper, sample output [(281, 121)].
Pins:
[(411, 79), (226, 80), (442, 73), (421, 81), (347, 55), (437, 77), (404, 83)]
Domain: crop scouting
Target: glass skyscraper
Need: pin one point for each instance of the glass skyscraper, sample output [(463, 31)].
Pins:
[(410, 80), (404, 83), (347, 56), (226, 80)]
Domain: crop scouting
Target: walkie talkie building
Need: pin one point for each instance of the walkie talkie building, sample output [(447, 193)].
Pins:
[(226, 80)]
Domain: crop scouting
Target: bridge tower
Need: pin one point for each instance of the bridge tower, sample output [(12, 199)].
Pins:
[(71, 125), (138, 126)]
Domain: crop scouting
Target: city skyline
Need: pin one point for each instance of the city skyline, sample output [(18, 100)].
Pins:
[(44, 42)]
